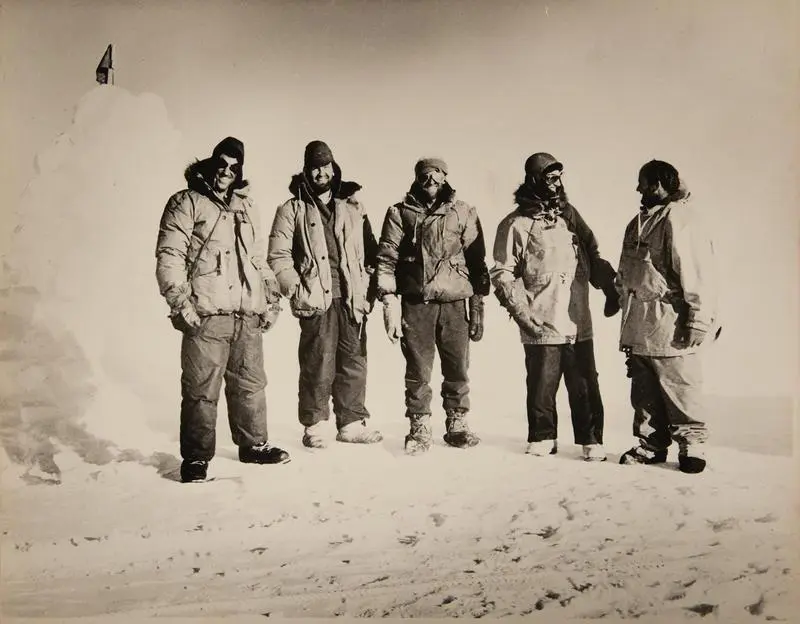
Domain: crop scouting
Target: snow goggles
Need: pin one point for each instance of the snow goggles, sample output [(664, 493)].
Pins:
[(434, 174)]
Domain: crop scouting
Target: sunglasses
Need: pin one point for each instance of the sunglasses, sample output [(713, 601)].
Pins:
[(223, 165)]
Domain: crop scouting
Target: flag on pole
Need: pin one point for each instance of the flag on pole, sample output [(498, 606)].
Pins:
[(105, 69)]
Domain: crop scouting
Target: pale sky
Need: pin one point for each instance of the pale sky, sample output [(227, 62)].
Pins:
[(604, 85)]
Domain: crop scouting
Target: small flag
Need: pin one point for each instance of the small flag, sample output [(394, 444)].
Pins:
[(104, 72)]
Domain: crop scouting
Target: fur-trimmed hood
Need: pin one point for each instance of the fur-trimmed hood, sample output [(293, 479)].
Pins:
[(299, 186), (528, 202), (198, 174)]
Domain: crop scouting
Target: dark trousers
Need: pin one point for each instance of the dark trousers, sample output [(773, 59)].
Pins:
[(229, 348), (428, 327), (666, 395), (333, 362), (545, 365)]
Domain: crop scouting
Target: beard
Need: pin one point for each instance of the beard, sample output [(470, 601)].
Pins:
[(320, 187), (431, 191), (651, 199), (543, 191), (422, 193)]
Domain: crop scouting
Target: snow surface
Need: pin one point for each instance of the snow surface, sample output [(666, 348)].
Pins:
[(95, 523)]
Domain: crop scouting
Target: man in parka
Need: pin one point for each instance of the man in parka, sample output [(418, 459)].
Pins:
[(432, 278), (322, 250), (667, 283), (545, 258), (211, 269)]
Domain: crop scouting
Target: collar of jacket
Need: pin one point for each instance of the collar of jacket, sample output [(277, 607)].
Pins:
[(531, 205), (446, 201)]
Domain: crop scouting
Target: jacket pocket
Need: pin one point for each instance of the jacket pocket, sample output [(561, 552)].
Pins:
[(451, 281), (300, 302), (639, 275), (460, 268), (550, 297), (209, 286)]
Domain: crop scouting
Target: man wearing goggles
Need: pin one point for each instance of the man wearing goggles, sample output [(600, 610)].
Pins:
[(432, 278), (545, 258)]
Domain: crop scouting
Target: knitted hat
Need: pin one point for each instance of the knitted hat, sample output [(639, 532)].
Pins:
[(230, 146), (317, 154), (540, 163), (423, 164)]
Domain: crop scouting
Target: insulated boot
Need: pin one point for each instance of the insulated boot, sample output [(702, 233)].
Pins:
[(542, 448), (312, 436), (458, 432), (358, 433), (642, 455), (194, 471), (420, 438), (263, 454), (594, 452), (691, 458)]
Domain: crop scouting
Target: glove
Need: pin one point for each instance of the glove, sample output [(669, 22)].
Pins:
[(272, 289), (475, 318), (392, 317), (270, 317), (612, 302), (185, 319), (372, 291), (691, 337), (501, 292)]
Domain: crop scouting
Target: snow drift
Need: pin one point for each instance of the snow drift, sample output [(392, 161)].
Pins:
[(77, 282)]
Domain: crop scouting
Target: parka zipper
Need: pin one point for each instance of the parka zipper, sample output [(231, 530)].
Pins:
[(414, 237)]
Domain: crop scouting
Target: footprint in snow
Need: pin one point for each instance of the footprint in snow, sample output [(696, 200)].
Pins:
[(346, 539), (567, 507), (722, 525), (757, 608), (547, 532), (438, 519), (676, 593), (703, 609)]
